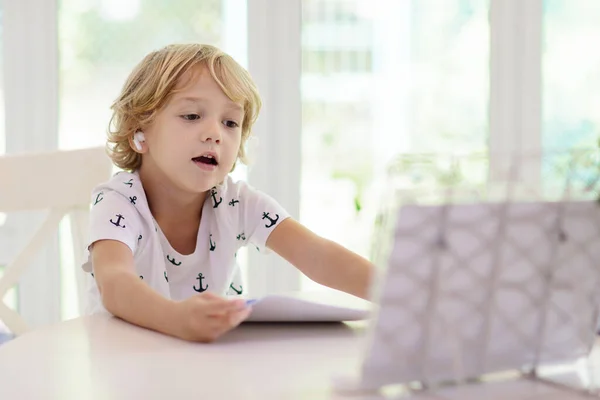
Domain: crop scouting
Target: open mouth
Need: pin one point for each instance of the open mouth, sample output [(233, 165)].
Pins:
[(206, 159)]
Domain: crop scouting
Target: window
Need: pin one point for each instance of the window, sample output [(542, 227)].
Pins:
[(571, 79), (11, 296), (381, 79), (102, 40), (2, 126)]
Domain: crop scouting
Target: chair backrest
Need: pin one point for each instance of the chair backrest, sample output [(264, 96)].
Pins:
[(30, 181), (58, 181)]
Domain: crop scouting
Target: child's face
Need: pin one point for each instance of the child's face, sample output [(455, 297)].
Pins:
[(194, 140)]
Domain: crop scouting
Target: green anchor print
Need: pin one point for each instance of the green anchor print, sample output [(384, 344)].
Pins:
[(200, 289), (213, 246), (273, 221), (172, 261), (235, 290), (99, 198), (241, 236), (213, 194), (233, 202), (139, 238), (129, 182), (133, 199), (166, 278), (118, 222)]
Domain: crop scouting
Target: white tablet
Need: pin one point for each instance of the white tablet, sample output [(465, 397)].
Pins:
[(478, 288)]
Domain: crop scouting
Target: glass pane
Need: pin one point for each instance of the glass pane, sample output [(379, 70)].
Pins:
[(571, 79), (100, 41), (2, 126), (10, 299), (381, 79)]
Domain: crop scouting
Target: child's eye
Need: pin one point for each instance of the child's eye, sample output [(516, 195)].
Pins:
[(190, 117), (231, 124)]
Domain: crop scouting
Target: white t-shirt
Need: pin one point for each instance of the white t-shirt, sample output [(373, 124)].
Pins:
[(233, 215)]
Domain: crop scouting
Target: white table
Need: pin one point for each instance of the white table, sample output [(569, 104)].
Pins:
[(101, 357)]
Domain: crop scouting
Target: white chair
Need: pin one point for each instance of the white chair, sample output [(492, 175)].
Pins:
[(76, 173)]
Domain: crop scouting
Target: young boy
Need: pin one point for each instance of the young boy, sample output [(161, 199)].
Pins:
[(164, 235)]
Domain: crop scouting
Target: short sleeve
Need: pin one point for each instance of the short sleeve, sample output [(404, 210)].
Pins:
[(261, 216), (113, 217)]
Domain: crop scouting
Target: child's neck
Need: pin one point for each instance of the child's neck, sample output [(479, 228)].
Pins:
[(178, 214)]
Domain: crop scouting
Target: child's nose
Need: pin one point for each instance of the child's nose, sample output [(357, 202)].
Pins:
[(211, 131)]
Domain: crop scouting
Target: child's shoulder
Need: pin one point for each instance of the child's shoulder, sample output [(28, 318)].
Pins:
[(236, 191), (127, 179), (121, 182), (123, 187)]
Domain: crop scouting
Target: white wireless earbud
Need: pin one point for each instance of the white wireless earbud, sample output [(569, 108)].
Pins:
[(138, 139)]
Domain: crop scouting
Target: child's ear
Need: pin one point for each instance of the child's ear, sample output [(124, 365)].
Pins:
[(138, 141)]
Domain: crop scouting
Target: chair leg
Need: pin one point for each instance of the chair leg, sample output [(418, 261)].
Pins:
[(79, 232)]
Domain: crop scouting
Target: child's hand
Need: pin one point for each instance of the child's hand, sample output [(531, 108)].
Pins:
[(205, 317)]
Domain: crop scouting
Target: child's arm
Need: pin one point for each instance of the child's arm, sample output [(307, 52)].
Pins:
[(200, 318), (322, 260)]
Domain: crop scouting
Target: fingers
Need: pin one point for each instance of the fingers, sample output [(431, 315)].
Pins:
[(223, 323), (210, 315), (239, 316), (216, 307)]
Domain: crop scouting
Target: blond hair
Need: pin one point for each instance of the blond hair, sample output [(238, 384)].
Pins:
[(153, 81)]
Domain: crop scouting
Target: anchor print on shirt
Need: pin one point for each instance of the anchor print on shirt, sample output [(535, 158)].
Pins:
[(241, 236), (273, 221), (236, 290), (133, 199), (200, 288), (172, 261), (213, 194), (213, 246), (117, 223), (129, 183), (233, 202), (99, 198), (166, 277)]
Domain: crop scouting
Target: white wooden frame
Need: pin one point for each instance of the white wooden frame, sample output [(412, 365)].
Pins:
[(64, 188), (274, 29), (515, 86), (30, 68)]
